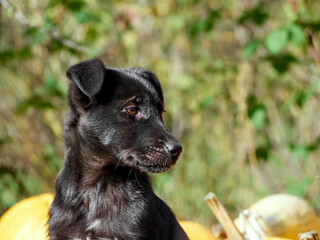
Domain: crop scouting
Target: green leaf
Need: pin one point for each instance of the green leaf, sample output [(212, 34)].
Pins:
[(48, 24), (206, 102), (25, 53), (296, 34), (256, 112), (50, 82), (198, 27), (276, 40), (185, 82), (300, 151), (250, 48), (258, 117), (82, 17), (302, 96), (35, 36), (35, 102), (12, 54), (175, 22), (52, 87), (201, 26)]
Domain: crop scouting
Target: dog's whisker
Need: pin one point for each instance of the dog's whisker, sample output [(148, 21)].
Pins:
[(137, 179), (118, 163), (129, 173)]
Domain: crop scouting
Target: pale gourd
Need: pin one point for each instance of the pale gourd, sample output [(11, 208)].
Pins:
[(27, 219), (284, 216)]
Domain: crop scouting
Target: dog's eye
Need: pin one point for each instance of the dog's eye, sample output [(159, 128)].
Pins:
[(131, 110)]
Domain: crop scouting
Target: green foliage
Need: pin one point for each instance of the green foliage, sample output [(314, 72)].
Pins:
[(82, 17), (276, 40), (239, 81), (296, 34), (256, 15), (250, 48), (11, 54), (35, 36), (256, 112), (281, 62), (185, 83), (258, 117), (204, 25), (71, 5)]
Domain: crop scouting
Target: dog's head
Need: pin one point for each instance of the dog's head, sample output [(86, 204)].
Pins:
[(122, 110)]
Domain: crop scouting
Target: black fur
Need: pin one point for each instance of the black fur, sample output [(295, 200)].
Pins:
[(113, 135)]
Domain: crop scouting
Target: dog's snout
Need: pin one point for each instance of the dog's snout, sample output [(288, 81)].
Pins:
[(174, 148)]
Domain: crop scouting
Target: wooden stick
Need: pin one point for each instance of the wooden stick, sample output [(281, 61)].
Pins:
[(223, 217)]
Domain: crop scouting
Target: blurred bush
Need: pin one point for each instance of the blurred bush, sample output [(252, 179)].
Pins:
[(241, 81)]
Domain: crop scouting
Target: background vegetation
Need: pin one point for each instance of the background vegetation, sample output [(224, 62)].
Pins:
[(241, 82)]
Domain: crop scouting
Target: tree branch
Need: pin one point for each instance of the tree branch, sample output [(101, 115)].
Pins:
[(22, 19)]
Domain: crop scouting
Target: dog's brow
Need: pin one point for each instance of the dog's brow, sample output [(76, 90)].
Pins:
[(131, 99)]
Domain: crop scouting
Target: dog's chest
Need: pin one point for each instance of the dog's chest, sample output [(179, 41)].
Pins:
[(115, 208)]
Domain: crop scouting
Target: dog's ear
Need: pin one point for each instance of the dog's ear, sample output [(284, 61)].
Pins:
[(88, 76)]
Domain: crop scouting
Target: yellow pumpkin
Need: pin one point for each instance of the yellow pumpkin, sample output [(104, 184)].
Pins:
[(196, 231), (27, 219)]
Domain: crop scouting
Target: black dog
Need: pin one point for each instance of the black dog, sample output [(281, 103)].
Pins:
[(113, 135)]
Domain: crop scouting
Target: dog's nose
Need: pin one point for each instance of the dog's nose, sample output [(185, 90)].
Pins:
[(175, 149)]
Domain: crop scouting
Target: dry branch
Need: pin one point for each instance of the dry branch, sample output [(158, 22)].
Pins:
[(224, 217)]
